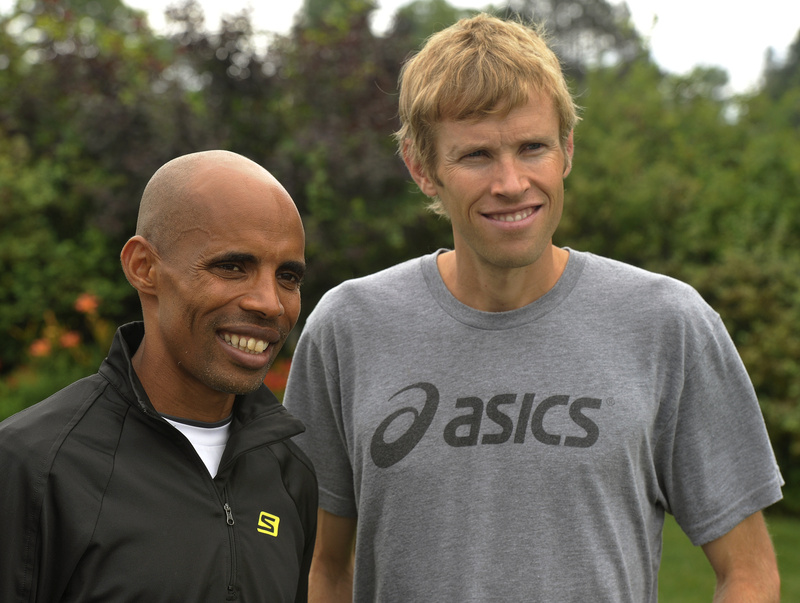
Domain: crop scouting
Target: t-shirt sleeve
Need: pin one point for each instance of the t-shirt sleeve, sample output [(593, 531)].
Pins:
[(313, 396), (717, 464)]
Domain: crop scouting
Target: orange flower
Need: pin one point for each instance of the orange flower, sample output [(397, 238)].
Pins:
[(87, 303), (278, 375), (40, 348), (70, 339)]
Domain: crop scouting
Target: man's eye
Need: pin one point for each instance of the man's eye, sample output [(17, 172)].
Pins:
[(229, 267), (290, 278)]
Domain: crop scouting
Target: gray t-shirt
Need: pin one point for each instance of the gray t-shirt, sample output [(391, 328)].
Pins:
[(526, 455)]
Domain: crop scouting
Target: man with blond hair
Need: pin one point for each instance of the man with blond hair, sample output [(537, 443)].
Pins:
[(510, 420)]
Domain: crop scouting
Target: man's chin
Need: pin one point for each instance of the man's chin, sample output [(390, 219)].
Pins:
[(238, 385)]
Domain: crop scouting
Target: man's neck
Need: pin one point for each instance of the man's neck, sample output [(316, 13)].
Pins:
[(493, 289), (171, 395)]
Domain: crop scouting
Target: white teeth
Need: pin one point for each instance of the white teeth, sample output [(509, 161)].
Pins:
[(246, 344), (520, 215)]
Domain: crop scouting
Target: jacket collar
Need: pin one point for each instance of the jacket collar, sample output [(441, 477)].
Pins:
[(259, 407)]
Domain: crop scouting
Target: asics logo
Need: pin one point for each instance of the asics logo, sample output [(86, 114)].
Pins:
[(513, 414), (385, 454)]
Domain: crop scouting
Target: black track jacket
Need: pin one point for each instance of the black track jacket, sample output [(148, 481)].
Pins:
[(102, 500)]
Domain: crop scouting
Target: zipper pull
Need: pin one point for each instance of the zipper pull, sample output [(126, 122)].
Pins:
[(228, 513)]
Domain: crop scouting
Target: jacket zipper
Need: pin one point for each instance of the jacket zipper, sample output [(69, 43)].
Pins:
[(232, 539), (231, 595)]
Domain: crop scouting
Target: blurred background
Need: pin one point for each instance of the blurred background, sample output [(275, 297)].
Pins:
[(687, 161)]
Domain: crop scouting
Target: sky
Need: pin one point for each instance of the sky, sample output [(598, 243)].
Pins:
[(682, 34)]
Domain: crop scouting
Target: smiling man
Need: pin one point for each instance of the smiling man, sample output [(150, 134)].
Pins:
[(509, 420), (171, 474)]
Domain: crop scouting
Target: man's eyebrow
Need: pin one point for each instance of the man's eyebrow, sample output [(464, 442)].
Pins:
[(298, 268), (240, 257), (234, 257)]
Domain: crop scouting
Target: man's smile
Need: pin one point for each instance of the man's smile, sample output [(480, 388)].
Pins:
[(251, 345), (515, 216)]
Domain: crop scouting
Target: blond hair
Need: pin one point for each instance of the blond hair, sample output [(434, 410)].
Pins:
[(474, 68)]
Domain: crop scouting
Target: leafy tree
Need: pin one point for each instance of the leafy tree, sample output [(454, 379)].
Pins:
[(322, 13), (783, 77), (418, 20), (586, 33), (87, 113)]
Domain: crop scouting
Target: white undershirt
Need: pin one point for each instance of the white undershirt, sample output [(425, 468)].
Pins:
[(209, 442)]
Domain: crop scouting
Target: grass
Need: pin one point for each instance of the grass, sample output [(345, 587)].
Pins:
[(686, 576)]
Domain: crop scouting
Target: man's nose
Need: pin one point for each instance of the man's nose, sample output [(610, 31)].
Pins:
[(509, 178), (264, 298)]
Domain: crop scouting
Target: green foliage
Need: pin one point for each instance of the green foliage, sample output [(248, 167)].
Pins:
[(339, 163), (420, 19), (40, 381), (50, 258), (784, 78), (336, 14), (584, 33), (87, 113), (59, 355)]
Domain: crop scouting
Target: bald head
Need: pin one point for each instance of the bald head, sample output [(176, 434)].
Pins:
[(169, 201), (217, 259)]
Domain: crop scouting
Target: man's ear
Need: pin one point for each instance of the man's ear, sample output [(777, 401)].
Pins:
[(569, 150), (138, 259), (418, 173)]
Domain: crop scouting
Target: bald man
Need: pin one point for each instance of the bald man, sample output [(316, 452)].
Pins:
[(170, 475)]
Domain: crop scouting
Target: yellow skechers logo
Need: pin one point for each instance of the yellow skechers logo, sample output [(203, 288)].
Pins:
[(268, 523)]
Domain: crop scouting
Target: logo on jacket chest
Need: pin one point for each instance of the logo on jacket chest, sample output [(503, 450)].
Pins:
[(268, 523), (502, 419)]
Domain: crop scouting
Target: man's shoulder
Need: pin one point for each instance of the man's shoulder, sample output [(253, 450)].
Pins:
[(615, 287), (393, 276), (365, 304), (615, 275), (378, 287), (40, 423)]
